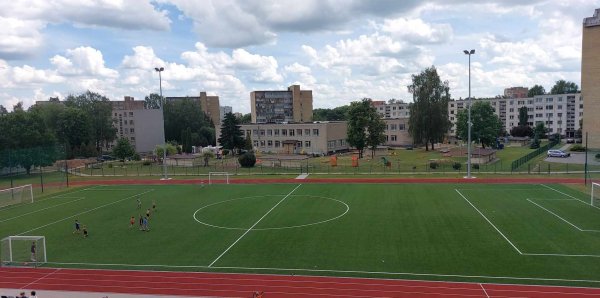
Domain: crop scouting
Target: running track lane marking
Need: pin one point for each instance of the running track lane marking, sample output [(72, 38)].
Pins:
[(497, 230), (484, 291), (39, 279), (254, 225), (84, 212)]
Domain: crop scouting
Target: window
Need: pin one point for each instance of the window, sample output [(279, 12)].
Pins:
[(511, 110), (299, 132), (307, 144), (451, 118), (393, 126), (269, 143), (130, 114), (133, 138), (269, 132), (307, 132), (549, 99), (284, 132), (549, 107), (529, 109), (255, 143), (255, 132), (528, 117), (262, 143), (394, 138), (316, 132), (511, 117), (292, 133), (276, 132), (401, 126), (131, 122), (262, 132), (559, 107), (538, 99), (131, 130), (277, 144)]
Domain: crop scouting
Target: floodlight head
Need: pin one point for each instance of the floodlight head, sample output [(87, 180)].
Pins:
[(466, 52), (472, 52), (159, 69)]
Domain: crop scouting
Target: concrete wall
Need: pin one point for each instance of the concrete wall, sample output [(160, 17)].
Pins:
[(149, 130)]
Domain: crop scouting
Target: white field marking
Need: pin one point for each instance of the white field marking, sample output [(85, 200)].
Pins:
[(276, 228), (500, 189), (84, 212), (50, 273), (118, 189), (254, 225), (340, 271), (571, 224), (48, 198), (568, 195), (484, 291), (40, 210), (497, 230), (560, 255)]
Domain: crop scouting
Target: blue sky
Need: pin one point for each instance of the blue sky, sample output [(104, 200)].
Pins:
[(342, 50)]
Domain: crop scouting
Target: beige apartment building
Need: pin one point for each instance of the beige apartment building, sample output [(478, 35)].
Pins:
[(292, 105), (590, 78), (144, 128)]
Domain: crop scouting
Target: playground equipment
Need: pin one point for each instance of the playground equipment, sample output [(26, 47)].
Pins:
[(386, 163), (355, 161), (333, 160)]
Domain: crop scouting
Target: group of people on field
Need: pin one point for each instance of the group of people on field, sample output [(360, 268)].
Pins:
[(143, 220)]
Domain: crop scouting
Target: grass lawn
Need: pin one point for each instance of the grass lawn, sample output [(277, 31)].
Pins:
[(492, 233)]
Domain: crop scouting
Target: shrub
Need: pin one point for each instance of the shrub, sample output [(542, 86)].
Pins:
[(475, 166), (146, 163), (247, 160), (457, 166), (136, 156), (597, 155), (225, 152), (110, 165), (577, 148), (433, 165)]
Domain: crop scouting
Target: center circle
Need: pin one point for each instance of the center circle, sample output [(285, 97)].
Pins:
[(345, 208)]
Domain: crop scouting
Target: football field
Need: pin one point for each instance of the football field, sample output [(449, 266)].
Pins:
[(505, 233)]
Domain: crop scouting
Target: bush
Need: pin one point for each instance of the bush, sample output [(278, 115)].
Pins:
[(577, 148), (475, 166), (247, 160), (433, 165), (110, 165), (225, 152), (146, 163), (597, 155), (136, 156), (457, 166)]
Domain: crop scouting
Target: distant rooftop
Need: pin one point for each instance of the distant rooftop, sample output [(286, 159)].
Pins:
[(593, 21)]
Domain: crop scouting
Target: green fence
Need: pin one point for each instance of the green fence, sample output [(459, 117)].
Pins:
[(524, 159)]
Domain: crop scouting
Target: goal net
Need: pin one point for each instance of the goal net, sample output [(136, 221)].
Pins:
[(218, 177), (23, 251), (16, 195), (595, 198)]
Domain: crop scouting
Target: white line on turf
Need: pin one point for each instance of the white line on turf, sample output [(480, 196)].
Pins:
[(43, 200), (40, 210), (331, 271), (254, 225), (568, 195), (561, 255), (84, 212), (568, 222), (497, 230)]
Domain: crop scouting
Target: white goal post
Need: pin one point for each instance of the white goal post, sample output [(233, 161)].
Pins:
[(23, 251), (16, 195), (217, 177), (595, 197)]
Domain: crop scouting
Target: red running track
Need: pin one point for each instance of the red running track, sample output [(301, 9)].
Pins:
[(244, 285)]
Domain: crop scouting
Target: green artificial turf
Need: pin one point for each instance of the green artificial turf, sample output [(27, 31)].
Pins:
[(492, 233)]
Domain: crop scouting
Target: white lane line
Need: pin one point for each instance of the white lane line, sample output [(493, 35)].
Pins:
[(254, 225), (35, 281), (484, 291), (497, 230), (84, 212)]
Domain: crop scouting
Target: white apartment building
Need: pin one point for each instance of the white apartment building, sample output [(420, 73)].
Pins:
[(560, 113), (144, 128)]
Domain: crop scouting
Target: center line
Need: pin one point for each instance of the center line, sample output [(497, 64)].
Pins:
[(254, 225)]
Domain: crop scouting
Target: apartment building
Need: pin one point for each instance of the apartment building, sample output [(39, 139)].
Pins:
[(590, 78), (144, 128), (560, 113), (292, 105), (395, 114), (320, 138), (224, 110)]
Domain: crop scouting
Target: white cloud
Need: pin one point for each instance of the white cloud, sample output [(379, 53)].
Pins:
[(19, 38), (297, 68), (417, 31), (83, 61)]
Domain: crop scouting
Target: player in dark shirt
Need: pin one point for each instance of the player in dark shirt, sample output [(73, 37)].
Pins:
[(85, 231), (33, 248), (77, 227)]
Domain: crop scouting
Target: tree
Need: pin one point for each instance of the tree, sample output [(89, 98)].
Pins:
[(523, 117), (99, 110), (231, 134), (540, 130), (428, 122), (246, 118), (186, 140), (74, 128), (207, 154), (521, 131), (152, 101), (123, 149), (335, 114), (486, 125), (181, 114), (536, 90), (564, 87), (3, 110), (159, 149), (365, 127)]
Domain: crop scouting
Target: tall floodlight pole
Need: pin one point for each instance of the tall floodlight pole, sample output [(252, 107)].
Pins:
[(469, 124), (162, 103)]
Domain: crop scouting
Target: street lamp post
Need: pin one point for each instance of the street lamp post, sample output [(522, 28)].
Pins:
[(162, 103), (469, 124)]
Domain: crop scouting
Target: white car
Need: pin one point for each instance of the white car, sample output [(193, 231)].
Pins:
[(558, 153)]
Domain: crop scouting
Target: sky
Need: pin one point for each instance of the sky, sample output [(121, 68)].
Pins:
[(342, 50)]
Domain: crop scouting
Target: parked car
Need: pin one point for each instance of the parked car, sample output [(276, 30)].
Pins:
[(558, 153), (570, 141), (105, 158)]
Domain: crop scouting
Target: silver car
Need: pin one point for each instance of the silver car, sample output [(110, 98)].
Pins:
[(558, 153)]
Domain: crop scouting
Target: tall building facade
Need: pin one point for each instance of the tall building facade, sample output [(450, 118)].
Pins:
[(395, 114), (560, 113), (224, 110), (144, 128), (292, 105), (590, 78)]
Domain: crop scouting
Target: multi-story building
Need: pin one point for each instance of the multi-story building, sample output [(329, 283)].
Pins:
[(144, 128), (560, 113), (516, 92), (392, 110), (321, 137), (590, 78), (396, 115), (292, 105), (224, 110)]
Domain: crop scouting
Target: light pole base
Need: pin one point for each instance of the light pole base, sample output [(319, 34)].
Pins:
[(168, 178), (467, 177)]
